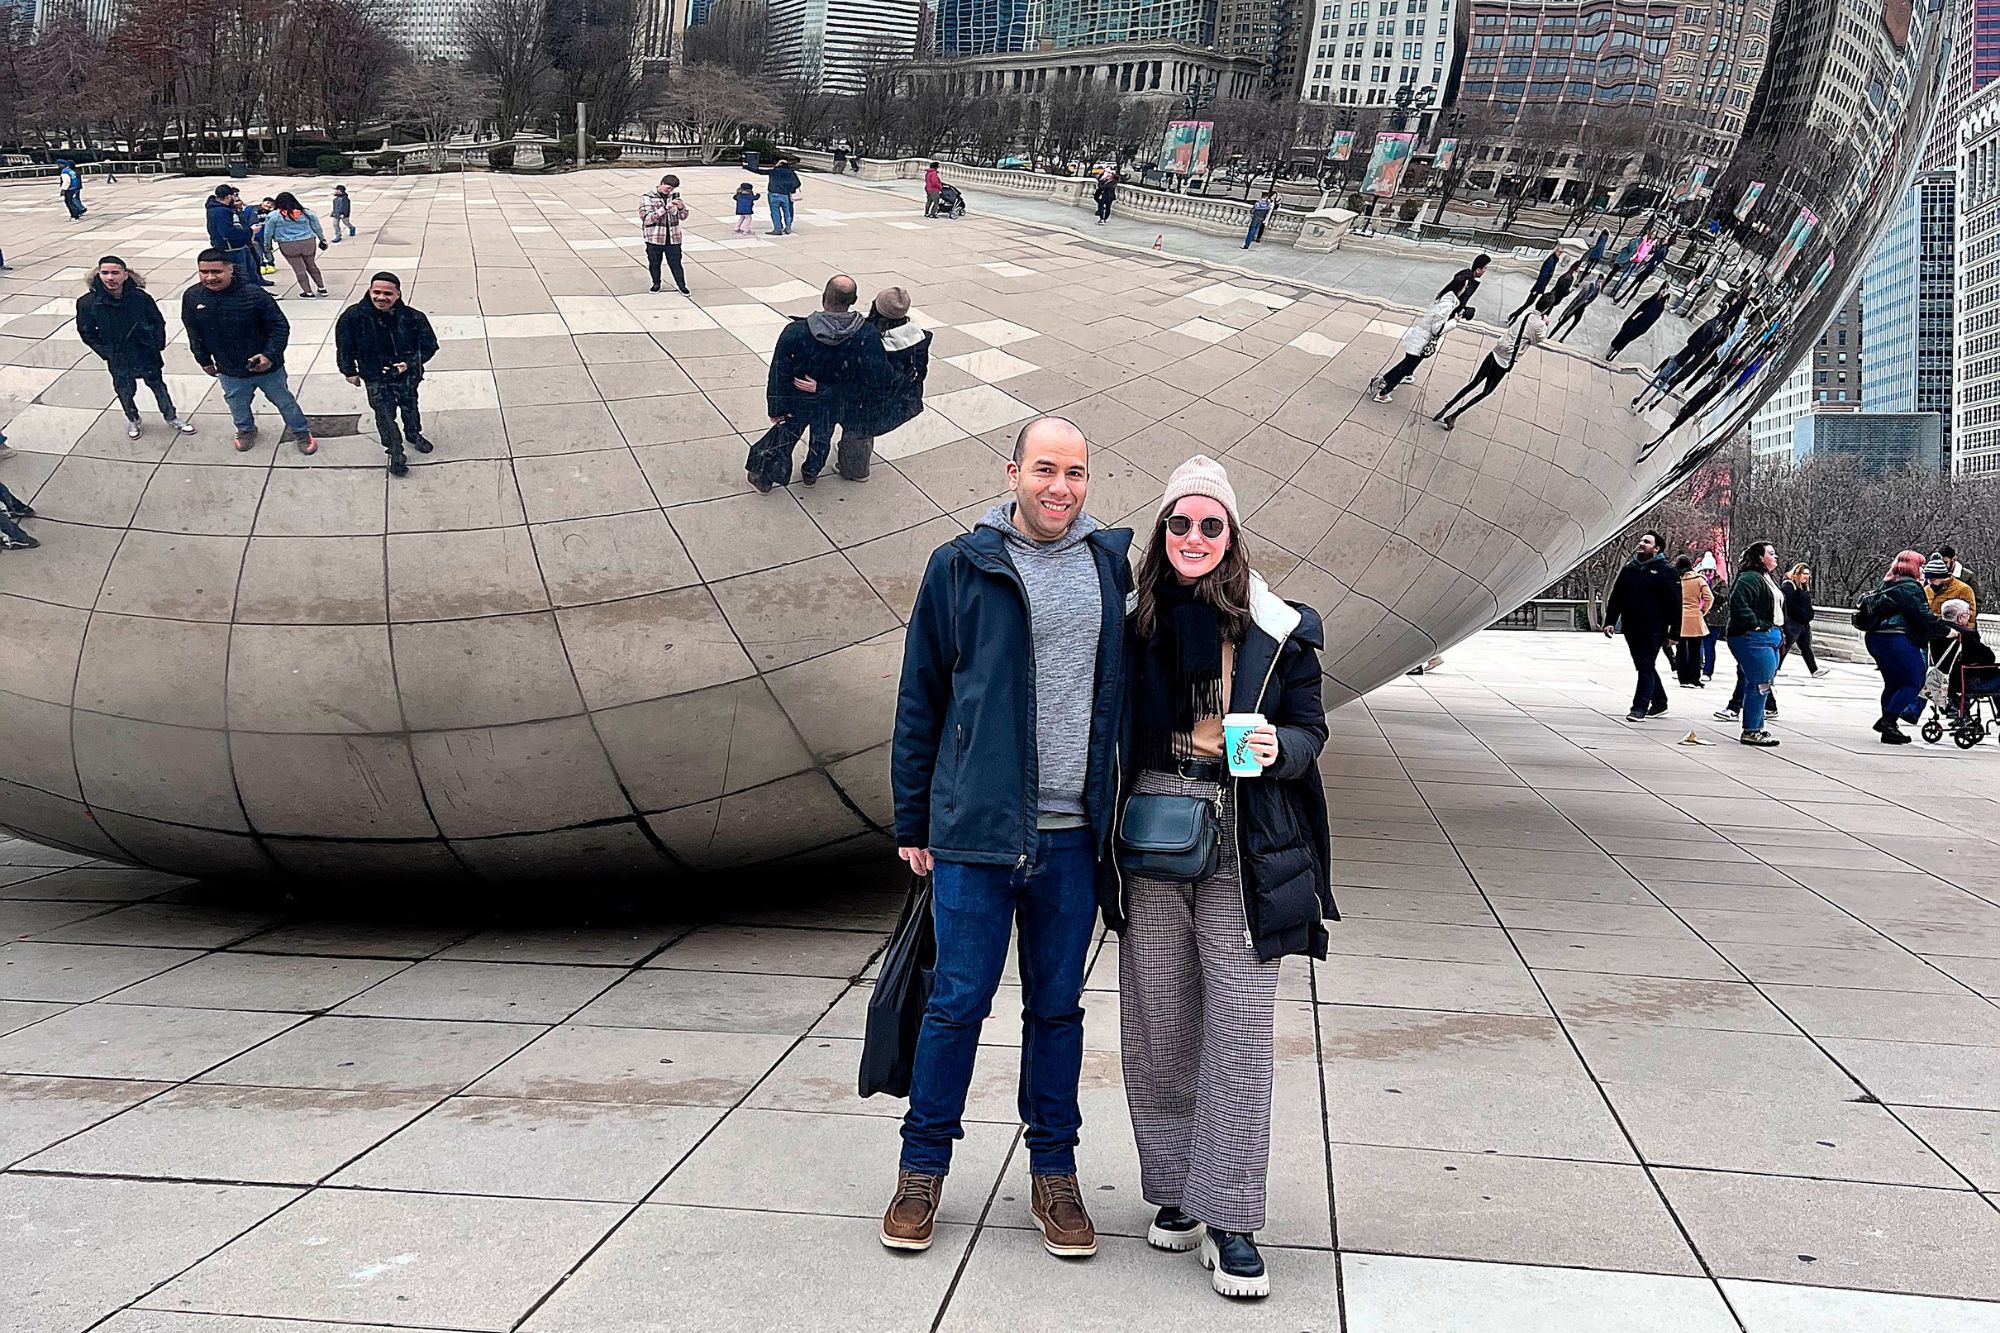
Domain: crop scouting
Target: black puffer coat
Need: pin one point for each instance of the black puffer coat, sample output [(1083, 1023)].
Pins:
[(1286, 844), (127, 330)]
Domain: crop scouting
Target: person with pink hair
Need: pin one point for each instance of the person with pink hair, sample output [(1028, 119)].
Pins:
[(1897, 623)]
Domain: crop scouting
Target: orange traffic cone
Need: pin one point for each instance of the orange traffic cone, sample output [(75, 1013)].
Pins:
[(1159, 238)]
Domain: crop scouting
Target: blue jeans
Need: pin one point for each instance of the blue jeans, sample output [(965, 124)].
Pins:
[(9, 506), (1708, 652), (245, 258), (781, 212), (1256, 231), (976, 906), (237, 393), (1903, 665), (1756, 655)]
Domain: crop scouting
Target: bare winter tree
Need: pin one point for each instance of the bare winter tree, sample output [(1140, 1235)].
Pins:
[(506, 41), (591, 46), (733, 37), (439, 97), (715, 104)]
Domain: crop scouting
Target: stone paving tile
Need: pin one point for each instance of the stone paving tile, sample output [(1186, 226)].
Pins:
[(36, 1111), (141, 1233), (799, 953), (350, 1255), (535, 1148), (276, 1136), (670, 1268), (1840, 1234), (1392, 1294), (715, 1002), (1771, 1307), (78, 972), (487, 992), (300, 984), (136, 1041), (378, 1055), (637, 1066), (1526, 1210)]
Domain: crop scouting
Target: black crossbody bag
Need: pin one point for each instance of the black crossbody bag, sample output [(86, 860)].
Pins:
[(1170, 837)]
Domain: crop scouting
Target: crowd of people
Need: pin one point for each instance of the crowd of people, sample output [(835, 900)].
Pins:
[(1075, 739), (1923, 616)]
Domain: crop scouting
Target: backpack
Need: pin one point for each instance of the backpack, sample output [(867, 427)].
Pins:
[(1871, 610)]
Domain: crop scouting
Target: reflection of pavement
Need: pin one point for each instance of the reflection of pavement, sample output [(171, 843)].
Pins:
[(1406, 274), (1606, 1015)]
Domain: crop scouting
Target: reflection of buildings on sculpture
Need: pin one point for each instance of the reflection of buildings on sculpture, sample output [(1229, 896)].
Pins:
[(1826, 383), (1154, 70), (1359, 53), (1071, 23), (986, 27), (1975, 426), (1906, 305), (1712, 75), (830, 45)]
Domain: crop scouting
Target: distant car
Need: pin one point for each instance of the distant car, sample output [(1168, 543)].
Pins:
[(1015, 163)]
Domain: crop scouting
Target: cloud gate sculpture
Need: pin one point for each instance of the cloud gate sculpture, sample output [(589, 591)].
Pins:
[(573, 641)]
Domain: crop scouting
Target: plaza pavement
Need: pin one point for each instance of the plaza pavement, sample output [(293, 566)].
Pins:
[(1617, 1036)]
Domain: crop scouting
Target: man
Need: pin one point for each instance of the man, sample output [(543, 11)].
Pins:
[(933, 187), (784, 184), (1545, 276), (1260, 213), (1640, 320), (1646, 601), (1943, 585), (1463, 284), (821, 364), (71, 182), (661, 214), (229, 232), (1004, 773), (383, 343), (237, 334), (1950, 554)]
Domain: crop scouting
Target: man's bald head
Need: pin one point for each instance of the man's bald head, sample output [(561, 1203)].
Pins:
[(1047, 430), (841, 293)]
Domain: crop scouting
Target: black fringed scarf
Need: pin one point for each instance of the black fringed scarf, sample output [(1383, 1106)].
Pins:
[(1179, 680)]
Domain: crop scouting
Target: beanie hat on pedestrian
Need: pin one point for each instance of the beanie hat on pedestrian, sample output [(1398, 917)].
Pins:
[(892, 303), (1201, 475), (386, 276), (1937, 567)]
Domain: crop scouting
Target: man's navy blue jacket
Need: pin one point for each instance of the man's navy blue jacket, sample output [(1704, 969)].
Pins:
[(783, 179), (963, 763), (226, 228)]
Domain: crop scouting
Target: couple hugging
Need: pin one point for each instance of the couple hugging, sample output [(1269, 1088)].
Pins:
[(1070, 740), (838, 367)]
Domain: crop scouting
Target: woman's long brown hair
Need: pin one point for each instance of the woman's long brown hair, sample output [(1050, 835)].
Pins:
[(1226, 587)]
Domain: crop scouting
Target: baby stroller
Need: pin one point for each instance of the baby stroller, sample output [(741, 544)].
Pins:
[(1965, 700), (950, 204)]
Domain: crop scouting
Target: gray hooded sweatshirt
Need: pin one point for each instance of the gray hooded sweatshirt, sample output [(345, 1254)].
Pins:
[(1065, 616)]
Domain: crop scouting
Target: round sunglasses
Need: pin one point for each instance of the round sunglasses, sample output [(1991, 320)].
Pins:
[(1211, 527)]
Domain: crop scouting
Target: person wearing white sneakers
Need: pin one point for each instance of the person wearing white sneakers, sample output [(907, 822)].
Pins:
[(118, 319)]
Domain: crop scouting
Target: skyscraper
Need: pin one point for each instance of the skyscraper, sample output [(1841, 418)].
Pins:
[(1360, 53), (1906, 307), (830, 45), (1100, 22), (1975, 424)]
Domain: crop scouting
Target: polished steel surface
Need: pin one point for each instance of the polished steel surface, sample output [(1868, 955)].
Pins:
[(574, 643)]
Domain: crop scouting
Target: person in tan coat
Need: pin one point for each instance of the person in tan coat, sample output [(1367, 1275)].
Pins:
[(1696, 599)]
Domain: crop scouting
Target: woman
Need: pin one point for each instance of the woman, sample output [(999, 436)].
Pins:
[(1695, 602), (907, 348), (1106, 194), (121, 322), (1898, 626), (1636, 324), (1499, 363), (1797, 592), (1420, 341), (294, 229), (1970, 665), (1756, 615), (1198, 963)]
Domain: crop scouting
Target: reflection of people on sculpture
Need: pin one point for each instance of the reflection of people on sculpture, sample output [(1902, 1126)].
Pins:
[(822, 362), (1543, 277), (1572, 313), (1004, 773), (1199, 946), (1532, 328), (1636, 324), (1420, 342), (1464, 283), (1679, 365)]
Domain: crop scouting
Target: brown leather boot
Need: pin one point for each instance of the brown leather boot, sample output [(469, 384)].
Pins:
[(913, 1212), (1059, 1211)]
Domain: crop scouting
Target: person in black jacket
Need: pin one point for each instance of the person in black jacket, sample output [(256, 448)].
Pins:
[(1898, 627), (1645, 602), (383, 343), (784, 184), (1797, 592), (821, 364), (1636, 324), (237, 334), (1543, 277), (1004, 772), (1463, 284), (863, 417), (1198, 960), (118, 319)]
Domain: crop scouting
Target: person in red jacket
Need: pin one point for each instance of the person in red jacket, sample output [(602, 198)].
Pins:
[(933, 187)]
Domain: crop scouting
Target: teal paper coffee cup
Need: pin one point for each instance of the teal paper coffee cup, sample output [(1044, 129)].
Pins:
[(1236, 729)]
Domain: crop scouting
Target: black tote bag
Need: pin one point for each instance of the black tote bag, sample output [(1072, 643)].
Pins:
[(896, 1009)]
